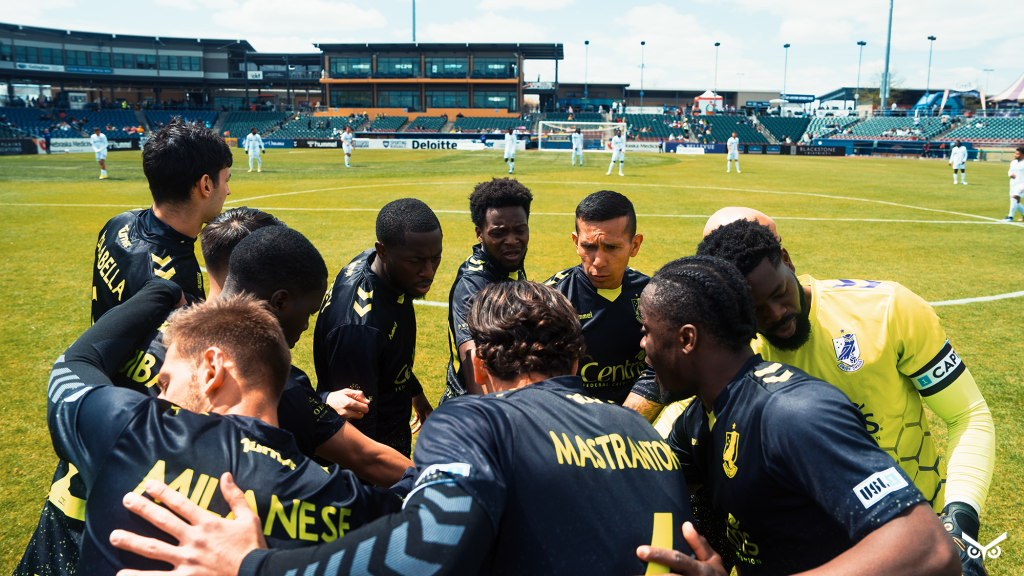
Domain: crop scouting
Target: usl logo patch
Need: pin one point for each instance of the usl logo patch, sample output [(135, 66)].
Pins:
[(847, 352), (878, 485), (732, 439)]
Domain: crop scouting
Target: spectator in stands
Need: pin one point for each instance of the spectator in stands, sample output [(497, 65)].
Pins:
[(46, 137)]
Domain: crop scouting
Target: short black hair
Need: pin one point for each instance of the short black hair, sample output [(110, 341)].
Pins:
[(253, 129), (709, 293), (224, 232), (605, 205), (498, 193), (275, 258), (178, 155), (1020, 149), (400, 217), (744, 243)]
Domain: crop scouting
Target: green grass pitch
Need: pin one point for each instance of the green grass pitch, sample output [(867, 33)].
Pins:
[(885, 219)]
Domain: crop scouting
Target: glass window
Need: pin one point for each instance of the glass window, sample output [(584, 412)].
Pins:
[(77, 58), (100, 59), (447, 67), (6, 52), (27, 54), (51, 56), (494, 100), (168, 62), (436, 99), (191, 63), (398, 68), (350, 67), (494, 68), (124, 61), (145, 61), (351, 98), (398, 99)]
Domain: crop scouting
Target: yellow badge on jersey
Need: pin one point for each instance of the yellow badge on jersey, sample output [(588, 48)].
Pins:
[(732, 439)]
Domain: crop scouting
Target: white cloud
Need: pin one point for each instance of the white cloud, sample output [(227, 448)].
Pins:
[(31, 13), (524, 4), (272, 17), (487, 27)]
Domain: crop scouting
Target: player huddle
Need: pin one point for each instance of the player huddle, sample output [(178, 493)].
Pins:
[(792, 430)]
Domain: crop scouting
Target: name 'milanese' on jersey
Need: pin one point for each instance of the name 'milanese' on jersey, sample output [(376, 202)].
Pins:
[(789, 463), (135, 247), (614, 363), (118, 438), (473, 275), (365, 339)]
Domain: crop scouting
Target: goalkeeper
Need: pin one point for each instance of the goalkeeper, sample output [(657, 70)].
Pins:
[(884, 347)]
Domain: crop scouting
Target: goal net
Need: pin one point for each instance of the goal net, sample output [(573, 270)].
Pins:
[(596, 135)]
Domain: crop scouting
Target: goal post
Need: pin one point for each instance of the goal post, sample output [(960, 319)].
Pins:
[(596, 135)]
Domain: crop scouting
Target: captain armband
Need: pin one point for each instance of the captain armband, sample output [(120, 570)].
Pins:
[(940, 372)]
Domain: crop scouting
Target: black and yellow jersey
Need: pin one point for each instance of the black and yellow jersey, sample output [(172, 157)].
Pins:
[(474, 274), (365, 339), (539, 480), (117, 439), (614, 363), (135, 247), (790, 466)]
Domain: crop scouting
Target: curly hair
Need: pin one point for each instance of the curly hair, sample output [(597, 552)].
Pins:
[(744, 243), (709, 293), (523, 327), (403, 216), (498, 193)]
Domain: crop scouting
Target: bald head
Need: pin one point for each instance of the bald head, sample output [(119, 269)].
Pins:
[(733, 213)]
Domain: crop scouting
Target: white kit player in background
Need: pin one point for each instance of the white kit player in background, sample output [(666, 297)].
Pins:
[(732, 145), (957, 159), (618, 152), (99, 146), (510, 149), (577, 146), (346, 145), (254, 145), (1016, 175)]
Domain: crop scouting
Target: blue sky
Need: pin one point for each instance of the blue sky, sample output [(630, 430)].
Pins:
[(680, 36)]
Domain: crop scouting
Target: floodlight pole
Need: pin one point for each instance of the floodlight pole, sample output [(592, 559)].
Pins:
[(928, 82), (414, 21), (586, 62), (642, 43), (856, 93), (883, 91), (986, 71), (717, 44), (785, 70)]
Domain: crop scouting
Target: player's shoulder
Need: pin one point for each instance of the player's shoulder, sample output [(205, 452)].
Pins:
[(350, 299), (871, 294), (634, 280), (561, 279), (789, 392)]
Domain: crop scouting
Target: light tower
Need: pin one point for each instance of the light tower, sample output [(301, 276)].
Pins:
[(717, 44), (642, 43), (586, 62), (785, 70), (928, 82)]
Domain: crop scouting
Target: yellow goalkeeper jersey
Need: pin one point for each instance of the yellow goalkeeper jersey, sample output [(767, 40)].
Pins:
[(883, 346)]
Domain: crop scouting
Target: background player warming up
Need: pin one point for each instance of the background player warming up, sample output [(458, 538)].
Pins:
[(99, 146), (618, 152), (254, 145), (346, 145), (577, 146), (733, 144), (958, 159), (1016, 174)]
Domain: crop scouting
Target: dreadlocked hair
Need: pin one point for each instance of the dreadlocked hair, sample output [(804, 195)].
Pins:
[(745, 243), (709, 293)]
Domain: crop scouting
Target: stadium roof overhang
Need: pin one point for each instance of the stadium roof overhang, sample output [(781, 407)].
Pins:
[(208, 43), (528, 51), (308, 58)]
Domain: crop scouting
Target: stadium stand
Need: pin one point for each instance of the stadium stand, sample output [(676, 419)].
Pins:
[(875, 127), (488, 124), (389, 124), (311, 127), (6, 132), (160, 118), (995, 130), (823, 127), (579, 117), (238, 124), (722, 128), (426, 124), (780, 128), (118, 120), (30, 121), (651, 126)]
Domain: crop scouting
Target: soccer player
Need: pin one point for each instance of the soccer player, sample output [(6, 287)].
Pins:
[(346, 145), (776, 446), (605, 292), (534, 478), (884, 347), (99, 146), (227, 362), (188, 169), (958, 160), (364, 344), (510, 149), (1016, 174), (618, 152), (577, 146), (254, 145), (500, 211), (733, 147)]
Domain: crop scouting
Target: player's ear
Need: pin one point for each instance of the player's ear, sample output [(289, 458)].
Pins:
[(687, 337), (382, 251), (480, 374), (479, 234), (211, 370), (279, 300), (635, 248), (787, 260)]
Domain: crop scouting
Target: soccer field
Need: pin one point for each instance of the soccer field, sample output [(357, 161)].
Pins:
[(882, 219)]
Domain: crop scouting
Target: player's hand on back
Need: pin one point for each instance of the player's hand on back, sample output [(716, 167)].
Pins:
[(351, 404), (707, 563), (421, 409), (208, 545)]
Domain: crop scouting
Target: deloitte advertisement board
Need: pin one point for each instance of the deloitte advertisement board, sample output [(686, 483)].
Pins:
[(272, 143), (405, 144)]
